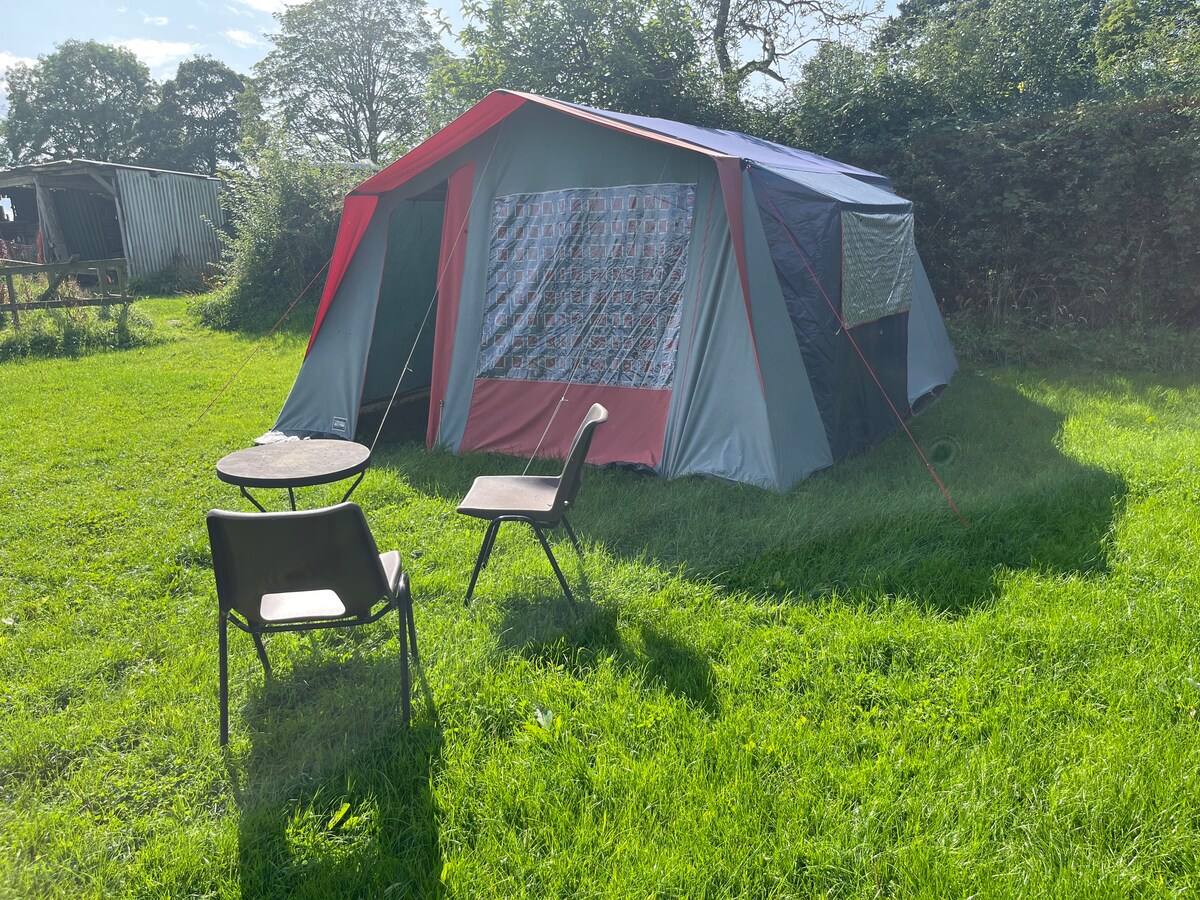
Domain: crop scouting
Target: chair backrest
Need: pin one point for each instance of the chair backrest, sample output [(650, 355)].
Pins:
[(572, 473), (280, 552)]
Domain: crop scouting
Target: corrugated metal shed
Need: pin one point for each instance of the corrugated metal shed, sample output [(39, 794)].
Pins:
[(164, 220)]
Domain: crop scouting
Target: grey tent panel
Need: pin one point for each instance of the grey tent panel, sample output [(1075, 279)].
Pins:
[(877, 265), (717, 424), (795, 423), (931, 360), (327, 395)]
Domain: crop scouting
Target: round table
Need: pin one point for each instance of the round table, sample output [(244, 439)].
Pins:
[(293, 464)]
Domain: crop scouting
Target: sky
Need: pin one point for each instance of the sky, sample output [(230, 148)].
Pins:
[(162, 33)]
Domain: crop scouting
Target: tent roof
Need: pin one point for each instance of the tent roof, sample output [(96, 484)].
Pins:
[(734, 143), (498, 105)]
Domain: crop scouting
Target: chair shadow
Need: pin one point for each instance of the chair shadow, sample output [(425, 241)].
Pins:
[(335, 793), (846, 532), (549, 631)]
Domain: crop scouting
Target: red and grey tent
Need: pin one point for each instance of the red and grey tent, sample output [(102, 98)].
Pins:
[(744, 309)]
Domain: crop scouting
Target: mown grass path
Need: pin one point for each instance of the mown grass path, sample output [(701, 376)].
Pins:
[(837, 692)]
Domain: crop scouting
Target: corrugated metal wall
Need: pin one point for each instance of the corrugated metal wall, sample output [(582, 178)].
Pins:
[(170, 220)]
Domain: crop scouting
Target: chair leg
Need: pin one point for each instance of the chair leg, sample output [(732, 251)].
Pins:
[(407, 612), (553, 562), (571, 535), (405, 675), (485, 551), (262, 653), (223, 677)]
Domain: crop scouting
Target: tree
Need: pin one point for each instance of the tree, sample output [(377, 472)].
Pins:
[(625, 55), (347, 77), (197, 124), (1149, 46), (85, 100), (762, 36), (991, 58)]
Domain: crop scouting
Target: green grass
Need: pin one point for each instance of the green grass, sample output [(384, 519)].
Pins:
[(836, 692)]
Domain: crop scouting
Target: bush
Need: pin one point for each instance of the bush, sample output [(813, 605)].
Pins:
[(1084, 218), (285, 219)]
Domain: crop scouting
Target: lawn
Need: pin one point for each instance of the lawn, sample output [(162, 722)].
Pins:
[(835, 692)]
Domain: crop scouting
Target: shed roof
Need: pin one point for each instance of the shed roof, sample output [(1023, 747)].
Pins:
[(20, 176)]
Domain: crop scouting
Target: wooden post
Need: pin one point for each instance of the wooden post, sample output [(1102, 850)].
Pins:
[(48, 216), (12, 300)]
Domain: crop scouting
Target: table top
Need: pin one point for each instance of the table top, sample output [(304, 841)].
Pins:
[(294, 463)]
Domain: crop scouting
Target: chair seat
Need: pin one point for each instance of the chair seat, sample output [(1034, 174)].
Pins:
[(300, 606), (492, 496)]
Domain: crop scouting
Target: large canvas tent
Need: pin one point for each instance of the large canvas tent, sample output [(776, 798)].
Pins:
[(744, 309)]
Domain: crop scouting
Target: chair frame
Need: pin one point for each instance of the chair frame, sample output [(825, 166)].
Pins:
[(399, 600)]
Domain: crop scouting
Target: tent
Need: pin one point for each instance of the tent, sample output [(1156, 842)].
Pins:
[(745, 310)]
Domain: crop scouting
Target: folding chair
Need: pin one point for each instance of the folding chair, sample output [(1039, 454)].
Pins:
[(300, 571), (540, 501)]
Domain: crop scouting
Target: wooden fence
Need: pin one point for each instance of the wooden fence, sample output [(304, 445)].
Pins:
[(111, 277)]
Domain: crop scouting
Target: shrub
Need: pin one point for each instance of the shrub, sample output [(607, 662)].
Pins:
[(1083, 218), (285, 218)]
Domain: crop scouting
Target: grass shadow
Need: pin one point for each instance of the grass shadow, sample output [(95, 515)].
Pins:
[(335, 794), (871, 526), (579, 639)]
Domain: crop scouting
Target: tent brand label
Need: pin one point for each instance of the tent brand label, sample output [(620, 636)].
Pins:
[(340, 425), (587, 284)]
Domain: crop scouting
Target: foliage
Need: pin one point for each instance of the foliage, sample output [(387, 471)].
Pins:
[(197, 124), (347, 77), (763, 37), (75, 331), (623, 55), (285, 217), (169, 283), (850, 105), (835, 692), (986, 59), (1149, 46), (1084, 217), (85, 100)]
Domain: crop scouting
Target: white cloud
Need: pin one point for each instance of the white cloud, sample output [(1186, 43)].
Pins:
[(158, 55), (242, 38), (270, 6), (155, 20), (7, 61), (266, 6)]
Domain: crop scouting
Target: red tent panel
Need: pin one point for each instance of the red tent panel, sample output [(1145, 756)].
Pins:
[(510, 417)]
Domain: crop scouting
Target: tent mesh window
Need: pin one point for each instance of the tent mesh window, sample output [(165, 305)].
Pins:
[(587, 285), (877, 265)]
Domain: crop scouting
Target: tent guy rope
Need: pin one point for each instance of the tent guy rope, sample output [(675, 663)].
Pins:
[(287, 312)]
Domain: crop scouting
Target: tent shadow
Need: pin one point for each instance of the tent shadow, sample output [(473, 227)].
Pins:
[(578, 640), (335, 795), (873, 526)]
